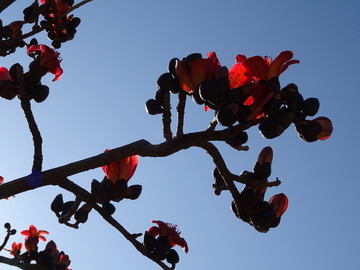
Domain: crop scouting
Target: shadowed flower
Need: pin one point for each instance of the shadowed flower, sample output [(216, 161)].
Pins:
[(122, 169), (279, 204), (15, 249), (48, 58), (171, 232), (191, 72)]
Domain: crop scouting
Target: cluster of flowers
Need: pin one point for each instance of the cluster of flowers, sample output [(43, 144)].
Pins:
[(7, 32), (114, 186), (45, 60), (252, 208), (160, 239), (59, 26), (249, 90), (49, 258)]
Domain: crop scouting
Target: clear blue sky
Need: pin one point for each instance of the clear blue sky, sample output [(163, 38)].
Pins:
[(110, 70)]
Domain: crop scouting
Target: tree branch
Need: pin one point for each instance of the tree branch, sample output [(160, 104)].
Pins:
[(142, 148)]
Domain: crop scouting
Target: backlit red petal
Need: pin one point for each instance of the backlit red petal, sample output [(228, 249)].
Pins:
[(184, 77), (256, 67), (237, 75), (280, 64)]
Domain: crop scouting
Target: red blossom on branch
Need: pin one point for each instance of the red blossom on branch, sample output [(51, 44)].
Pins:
[(33, 235), (122, 169), (191, 72), (171, 232), (15, 249), (48, 59)]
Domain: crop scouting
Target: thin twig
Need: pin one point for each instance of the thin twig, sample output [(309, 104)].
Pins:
[(89, 198), (166, 117), (180, 113)]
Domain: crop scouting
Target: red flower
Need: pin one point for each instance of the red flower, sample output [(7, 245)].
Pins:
[(264, 68), (122, 169), (171, 232), (15, 249), (34, 232), (255, 69), (192, 72), (279, 204), (48, 59), (33, 235)]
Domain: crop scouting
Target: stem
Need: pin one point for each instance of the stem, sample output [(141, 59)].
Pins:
[(167, 117), (37, 139), (181, 112)]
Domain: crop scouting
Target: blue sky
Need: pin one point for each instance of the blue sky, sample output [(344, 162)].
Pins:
[(110, 70)]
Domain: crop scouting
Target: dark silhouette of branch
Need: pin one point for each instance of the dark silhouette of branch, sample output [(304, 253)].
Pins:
[(166, 117), (4, 4), (68, 185), (181, 111), (14, 262), (141, 148)]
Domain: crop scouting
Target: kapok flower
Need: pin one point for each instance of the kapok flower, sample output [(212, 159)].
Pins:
[(171, 232), (279, 204), (192, 72), (15, 249), (122, 169), (48, 59), (264, 68), (33, 235), (256, 69), (33, 232)]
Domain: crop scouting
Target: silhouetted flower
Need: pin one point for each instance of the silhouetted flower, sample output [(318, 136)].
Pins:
[(122, 169), (48, 58), (171, 232)]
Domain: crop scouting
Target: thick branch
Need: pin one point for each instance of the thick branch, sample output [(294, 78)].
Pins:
[(36, 135), (4, 4), (14, 262), (142, 148)]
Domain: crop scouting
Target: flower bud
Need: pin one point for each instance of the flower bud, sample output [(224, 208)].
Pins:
[(153, 107), (57, 204), (133, 192), (172, 257), (310, 106)]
